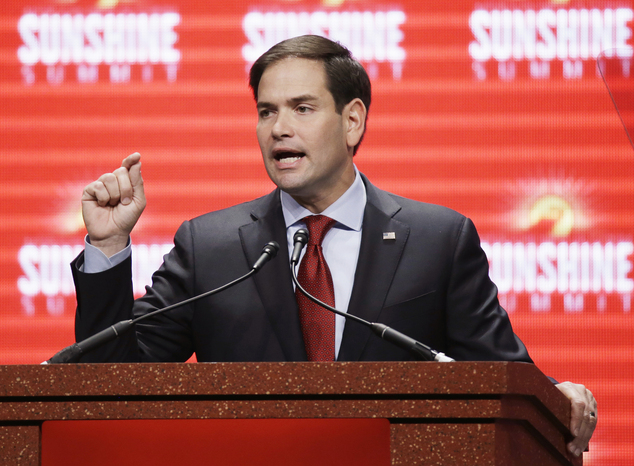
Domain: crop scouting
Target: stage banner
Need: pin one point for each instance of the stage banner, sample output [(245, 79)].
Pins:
[(496, 109)]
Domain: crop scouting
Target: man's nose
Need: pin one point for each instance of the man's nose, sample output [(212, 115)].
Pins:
[(283, 127)]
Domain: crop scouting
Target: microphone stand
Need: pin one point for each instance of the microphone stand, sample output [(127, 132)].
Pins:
[(75, 351), (420, 351)]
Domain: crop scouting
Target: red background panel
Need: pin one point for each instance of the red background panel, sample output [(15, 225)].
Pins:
[(228, 442), (531, 149)]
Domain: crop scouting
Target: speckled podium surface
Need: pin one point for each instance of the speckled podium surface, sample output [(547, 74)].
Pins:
[(463, 413)]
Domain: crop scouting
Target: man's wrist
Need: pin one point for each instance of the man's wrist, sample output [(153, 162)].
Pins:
[(95, 260), (110, 246)]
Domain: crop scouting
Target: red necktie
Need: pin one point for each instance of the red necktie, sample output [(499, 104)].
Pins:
[(318, 324)]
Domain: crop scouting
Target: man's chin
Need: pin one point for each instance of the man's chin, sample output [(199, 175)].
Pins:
[(288, 181), (292, 189)]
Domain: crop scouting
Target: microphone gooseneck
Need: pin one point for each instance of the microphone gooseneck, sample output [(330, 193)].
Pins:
[(75, 351), (421, 351)]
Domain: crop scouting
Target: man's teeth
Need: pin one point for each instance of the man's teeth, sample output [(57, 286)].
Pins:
[(289, 159)]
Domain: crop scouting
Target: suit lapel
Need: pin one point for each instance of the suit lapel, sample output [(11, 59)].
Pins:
[(378, 261), (274, 282)]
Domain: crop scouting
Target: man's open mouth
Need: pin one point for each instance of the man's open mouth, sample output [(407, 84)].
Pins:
[(288, 156)]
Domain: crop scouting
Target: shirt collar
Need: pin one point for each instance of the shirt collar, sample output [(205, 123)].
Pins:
[(347, 210)]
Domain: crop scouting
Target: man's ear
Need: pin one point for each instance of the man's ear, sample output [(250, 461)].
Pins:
[(354, 114)]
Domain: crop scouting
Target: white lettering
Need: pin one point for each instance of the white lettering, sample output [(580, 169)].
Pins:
[(72, 43), (525, 36), (622, 32), (370, 36), (46, 269), (98, 38), (480, 22), (566, 34), (547, 48), (119, 73), (29, 284), (502, 34), (539, 69), (564, 267), (87, 73), (168, 38), (93, 52), (567, 267), (540, 302), (624, 284), (573, 302), (29, 53)]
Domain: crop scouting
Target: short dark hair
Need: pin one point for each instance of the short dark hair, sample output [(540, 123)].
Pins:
[(346, 79)]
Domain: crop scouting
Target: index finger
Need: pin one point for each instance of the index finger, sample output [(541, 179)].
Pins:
[(586, 430), (577, 407)]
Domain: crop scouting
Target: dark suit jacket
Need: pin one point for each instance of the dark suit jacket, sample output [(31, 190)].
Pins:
[(431, 283)]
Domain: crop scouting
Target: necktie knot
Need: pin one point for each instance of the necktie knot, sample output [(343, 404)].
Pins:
[(318, 226)]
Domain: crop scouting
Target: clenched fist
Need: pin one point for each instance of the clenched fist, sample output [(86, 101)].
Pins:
[(112, 205)]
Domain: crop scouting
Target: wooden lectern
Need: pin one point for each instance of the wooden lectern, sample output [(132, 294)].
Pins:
[(463, 413)]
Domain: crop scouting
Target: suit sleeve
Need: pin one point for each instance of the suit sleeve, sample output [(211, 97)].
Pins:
[(107, 297), (103, 299), (478, 327)]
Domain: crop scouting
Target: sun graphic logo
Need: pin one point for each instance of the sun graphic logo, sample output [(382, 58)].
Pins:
[(551, 207), (551, 214), (550, 250)]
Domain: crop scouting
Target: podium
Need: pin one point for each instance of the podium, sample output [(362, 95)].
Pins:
[(462, 413)]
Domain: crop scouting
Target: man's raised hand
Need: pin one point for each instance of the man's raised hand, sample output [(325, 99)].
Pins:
[(112, 205)]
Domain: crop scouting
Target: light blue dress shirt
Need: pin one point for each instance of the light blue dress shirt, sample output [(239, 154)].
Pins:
[(341, 244)]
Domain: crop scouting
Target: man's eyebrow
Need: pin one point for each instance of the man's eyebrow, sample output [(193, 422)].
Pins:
[(291, 101), (264, 104), (302, 98)]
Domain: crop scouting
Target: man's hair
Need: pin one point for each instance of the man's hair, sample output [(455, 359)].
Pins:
[(346, 79)]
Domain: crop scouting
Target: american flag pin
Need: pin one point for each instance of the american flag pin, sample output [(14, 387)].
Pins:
[(389, 235)]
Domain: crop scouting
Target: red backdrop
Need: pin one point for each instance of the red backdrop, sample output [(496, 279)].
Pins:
[(495, 109)]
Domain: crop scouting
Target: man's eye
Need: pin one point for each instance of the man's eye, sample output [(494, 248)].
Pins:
[(303, 109), (264, 113)]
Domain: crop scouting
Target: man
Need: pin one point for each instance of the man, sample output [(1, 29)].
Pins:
[(414, 266)]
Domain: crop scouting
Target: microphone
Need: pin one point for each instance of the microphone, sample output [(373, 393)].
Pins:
[(73, 352), (300, 239), (421, 351), (269, 251)]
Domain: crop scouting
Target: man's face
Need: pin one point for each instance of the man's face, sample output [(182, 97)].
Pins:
[(304, 141)]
